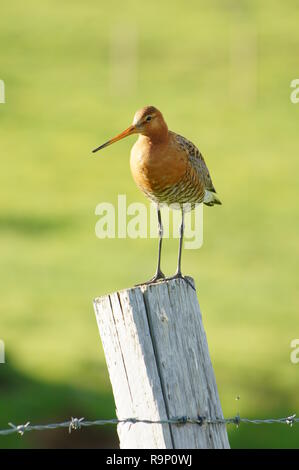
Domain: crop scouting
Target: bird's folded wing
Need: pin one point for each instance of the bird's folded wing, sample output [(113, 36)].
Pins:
[(197, 161)]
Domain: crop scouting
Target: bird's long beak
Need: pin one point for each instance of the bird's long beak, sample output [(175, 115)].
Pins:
[(131, 130)]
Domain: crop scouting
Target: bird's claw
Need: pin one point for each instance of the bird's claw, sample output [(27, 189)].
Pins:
[(158, 277), (179, 275)]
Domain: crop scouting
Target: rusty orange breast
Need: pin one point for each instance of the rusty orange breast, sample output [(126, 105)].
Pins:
[(156, 166)]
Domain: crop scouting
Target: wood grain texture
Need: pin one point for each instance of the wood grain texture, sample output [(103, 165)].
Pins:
[(159, 366)]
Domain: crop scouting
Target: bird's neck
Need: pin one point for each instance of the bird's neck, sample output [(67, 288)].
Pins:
[(156, 136)]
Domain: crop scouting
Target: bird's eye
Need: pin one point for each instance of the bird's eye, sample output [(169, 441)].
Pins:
[(149, 118)]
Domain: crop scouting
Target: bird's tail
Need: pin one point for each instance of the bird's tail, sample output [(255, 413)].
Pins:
[(211, 198)]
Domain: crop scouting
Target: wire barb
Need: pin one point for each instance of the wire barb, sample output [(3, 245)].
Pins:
[(21, 428), (75, 424), (290, 420), (237, 420)]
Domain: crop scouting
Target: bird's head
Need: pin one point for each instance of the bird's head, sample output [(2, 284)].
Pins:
[(147, 121)]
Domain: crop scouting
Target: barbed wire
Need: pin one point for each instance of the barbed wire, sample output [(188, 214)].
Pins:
[(77, 423)]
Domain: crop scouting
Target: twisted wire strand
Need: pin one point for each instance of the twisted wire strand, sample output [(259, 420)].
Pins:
[(77, 423)]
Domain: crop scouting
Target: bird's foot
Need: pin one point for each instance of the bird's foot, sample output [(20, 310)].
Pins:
[(179, 275), (159, 276)]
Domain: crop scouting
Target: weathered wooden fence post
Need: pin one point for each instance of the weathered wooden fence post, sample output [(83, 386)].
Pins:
[(159, 365)]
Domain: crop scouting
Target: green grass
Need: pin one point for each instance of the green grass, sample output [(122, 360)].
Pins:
[(56, 63)]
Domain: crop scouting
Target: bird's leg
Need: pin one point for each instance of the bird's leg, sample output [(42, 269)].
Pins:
[(179, 270), (178, 274), (158, 275)]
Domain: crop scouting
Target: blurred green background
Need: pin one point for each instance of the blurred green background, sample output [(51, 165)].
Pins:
[(75, 73)]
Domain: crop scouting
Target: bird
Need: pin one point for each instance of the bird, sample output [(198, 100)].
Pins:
[(169, 169)]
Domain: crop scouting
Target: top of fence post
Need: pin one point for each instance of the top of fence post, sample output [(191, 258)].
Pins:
[(159, 365)]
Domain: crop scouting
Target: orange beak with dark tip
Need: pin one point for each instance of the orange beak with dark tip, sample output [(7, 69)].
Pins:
[(131, 130)]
